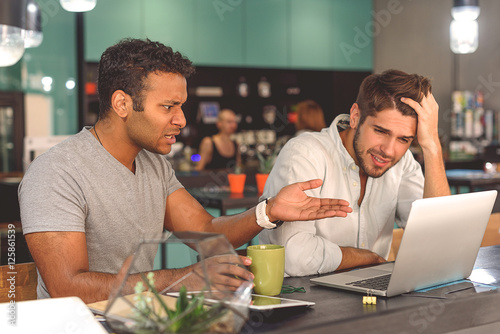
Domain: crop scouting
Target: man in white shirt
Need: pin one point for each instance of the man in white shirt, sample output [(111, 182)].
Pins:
[(368, 164)]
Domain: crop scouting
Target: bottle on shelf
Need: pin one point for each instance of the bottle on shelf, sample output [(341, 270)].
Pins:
[(264, 88), (243, 87)]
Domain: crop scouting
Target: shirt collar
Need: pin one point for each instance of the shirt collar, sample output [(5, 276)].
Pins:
[(341, 121)]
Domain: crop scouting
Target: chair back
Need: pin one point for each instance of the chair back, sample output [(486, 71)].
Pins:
[(18, 282), (397, 235)]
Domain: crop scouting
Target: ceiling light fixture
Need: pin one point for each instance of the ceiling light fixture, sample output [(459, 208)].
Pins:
[(33, 36), (12, 15), (78, 5), (464, 29)]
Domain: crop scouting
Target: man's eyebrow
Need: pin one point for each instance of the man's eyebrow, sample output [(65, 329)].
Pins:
[(380, 128), (174, 102)]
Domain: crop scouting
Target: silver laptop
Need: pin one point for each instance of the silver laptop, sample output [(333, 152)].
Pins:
[(440, 245)]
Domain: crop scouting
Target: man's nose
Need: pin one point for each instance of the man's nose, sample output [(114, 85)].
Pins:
[(389, 147), (179, 119)]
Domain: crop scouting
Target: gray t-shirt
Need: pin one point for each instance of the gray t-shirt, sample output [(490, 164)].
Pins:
[(78, 186)]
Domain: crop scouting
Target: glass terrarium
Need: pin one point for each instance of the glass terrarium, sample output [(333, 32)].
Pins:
[(197, 300)]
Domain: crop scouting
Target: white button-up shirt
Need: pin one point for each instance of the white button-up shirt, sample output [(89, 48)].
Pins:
[(314, 247)]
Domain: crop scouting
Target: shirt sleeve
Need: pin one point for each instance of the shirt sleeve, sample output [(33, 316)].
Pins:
[(410, 189), (173, 183), (50, 198), (306, 253)]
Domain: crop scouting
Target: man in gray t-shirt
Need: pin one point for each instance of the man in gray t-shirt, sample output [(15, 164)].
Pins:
[(78, 186), (88, 202)]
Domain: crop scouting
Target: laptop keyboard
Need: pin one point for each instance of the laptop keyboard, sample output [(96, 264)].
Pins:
[(374, 283)]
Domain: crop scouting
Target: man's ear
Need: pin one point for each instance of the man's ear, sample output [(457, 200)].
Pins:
[(354, 116), (121, 103)]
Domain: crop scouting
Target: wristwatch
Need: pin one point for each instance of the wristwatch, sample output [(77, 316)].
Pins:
[(262, 218)]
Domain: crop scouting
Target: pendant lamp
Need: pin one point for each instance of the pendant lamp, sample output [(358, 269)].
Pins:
[(464, 33), (78, 5), (33, 36), (12, 16)]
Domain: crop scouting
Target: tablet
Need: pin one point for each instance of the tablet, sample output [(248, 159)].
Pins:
[(261, 303)]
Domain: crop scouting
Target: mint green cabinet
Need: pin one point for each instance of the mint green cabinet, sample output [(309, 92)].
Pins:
[(352, 47), (110, 21), (219, 33), (266, 33), (321, 31), (172, 23), (311, 28), (315, 34)]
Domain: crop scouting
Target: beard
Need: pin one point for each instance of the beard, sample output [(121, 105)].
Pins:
[(375, 171)]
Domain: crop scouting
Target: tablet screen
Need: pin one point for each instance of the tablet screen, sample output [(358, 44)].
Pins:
[(262, 303)]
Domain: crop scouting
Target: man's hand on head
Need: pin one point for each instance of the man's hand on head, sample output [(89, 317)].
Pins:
[(427, 111)]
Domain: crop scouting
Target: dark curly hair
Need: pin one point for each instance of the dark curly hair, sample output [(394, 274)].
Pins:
[(384, 91), (126, 65)]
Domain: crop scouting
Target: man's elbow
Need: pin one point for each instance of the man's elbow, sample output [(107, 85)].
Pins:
[(83, 295), (73, 288), (301, 265)]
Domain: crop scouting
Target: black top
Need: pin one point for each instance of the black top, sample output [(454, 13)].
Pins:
[(218, 161)]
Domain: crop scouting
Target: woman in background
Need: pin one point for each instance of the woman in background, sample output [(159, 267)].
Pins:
[(310, 117), (220, 151)]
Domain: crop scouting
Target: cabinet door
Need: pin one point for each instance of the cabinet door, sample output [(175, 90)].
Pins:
[(109, 22), (266, 24), (352, 33), (219, 31), (319, 29), (172, 22), (311, 33)]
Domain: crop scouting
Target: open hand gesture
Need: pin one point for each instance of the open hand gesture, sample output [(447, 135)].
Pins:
[(292, 204)]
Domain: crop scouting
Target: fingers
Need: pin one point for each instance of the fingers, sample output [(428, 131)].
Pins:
[(331, 207), (311, 184), (227, 272), (246, 260), (332, 203), (225, 282), (230, 277), (428, 103), (412, 103), (328, 214)]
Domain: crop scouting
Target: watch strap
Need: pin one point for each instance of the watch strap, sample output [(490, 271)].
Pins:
[(261, 217)]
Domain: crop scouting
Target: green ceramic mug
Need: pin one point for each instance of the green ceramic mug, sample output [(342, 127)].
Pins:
[(268, 267)]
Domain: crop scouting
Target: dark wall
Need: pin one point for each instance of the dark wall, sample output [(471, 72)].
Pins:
[(335, 91)]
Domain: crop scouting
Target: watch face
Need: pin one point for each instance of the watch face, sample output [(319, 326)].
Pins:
[(261, 217)]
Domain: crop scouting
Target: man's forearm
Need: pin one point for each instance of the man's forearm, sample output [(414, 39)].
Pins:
[(355, 257), (239, 229), (95, 286), (436, 183)]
